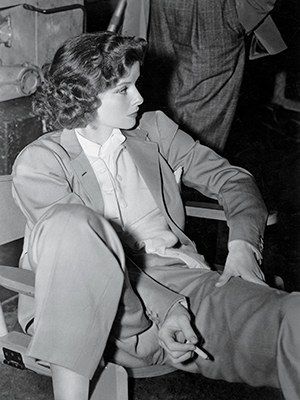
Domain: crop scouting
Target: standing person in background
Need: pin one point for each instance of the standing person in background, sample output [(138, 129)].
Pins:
[(196, 57)]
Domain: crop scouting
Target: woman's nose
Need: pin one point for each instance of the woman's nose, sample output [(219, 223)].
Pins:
[(137, 98)]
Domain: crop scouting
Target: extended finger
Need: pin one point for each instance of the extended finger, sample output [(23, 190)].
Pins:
[(224, 278), (175, 354), (187, 331), (258, 272), (170, 344), (254, 279), (181, 359)]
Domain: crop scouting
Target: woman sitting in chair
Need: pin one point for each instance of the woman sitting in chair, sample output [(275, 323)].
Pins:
[(116, 277)]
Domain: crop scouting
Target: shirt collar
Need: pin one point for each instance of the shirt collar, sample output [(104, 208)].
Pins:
[(95, 150)]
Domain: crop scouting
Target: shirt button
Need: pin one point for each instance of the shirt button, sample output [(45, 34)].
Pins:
[(119, 178)]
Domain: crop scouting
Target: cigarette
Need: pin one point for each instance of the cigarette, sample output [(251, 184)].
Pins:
[(199, 352)]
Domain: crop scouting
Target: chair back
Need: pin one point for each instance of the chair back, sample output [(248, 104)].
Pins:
[(12, 221)]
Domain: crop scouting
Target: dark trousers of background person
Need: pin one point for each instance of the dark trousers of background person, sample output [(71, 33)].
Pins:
[(195, 65)]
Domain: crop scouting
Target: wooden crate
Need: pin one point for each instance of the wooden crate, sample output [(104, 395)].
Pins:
[(18, 127)]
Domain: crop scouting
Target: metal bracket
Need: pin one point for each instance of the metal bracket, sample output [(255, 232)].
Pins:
[(13, 358)]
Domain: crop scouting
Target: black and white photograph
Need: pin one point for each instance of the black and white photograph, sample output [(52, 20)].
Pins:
[(149, 201)]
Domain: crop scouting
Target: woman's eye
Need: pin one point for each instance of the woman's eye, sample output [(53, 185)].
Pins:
[(123, 90)]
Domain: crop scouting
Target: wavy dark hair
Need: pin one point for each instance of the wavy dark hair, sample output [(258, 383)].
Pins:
[(83, 67)]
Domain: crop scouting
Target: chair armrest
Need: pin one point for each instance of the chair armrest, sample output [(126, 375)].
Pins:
[(13, 352), (150, 371), (200, 209), (17, 279)]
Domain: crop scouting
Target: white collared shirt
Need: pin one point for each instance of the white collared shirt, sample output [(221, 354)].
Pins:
[(128, 203)]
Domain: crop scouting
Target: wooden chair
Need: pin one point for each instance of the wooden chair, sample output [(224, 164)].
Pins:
[(113, 381)]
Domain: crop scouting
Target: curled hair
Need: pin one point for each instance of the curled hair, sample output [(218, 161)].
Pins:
[(83, 67)]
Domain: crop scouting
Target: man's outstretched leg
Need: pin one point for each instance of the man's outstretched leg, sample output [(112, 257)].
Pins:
[(250, 331), (288, 353)]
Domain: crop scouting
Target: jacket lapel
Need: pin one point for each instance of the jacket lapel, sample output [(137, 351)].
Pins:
[(82, 168), (144, 153), (146, 157), (156, 174)]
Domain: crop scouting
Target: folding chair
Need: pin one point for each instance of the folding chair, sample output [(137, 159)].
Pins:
[(113, 381)]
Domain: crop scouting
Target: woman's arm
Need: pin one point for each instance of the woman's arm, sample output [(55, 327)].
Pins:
[(39, 181), (212, 175)]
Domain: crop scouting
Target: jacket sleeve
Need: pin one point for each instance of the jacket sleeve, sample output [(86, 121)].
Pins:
[(157, 299), (39, 181), (212, 175)]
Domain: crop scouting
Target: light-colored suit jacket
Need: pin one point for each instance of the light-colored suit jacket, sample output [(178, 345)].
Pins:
[(54, 169)]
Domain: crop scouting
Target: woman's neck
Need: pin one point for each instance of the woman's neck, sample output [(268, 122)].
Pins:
[(97, 135)]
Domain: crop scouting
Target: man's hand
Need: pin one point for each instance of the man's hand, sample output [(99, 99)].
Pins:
[(241, 261), (174, 333)]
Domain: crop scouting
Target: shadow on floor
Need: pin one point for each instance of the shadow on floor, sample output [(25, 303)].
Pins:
[(26, 385)]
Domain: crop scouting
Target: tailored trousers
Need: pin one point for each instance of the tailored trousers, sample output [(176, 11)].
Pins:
[(251, 331), (195, 65)]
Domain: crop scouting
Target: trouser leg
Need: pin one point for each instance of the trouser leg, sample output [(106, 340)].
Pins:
[(253, 334), (251, 331), (288, 352), (198, 82), (79, 278)]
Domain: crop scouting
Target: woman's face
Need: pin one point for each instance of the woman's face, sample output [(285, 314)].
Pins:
[(120, 104)]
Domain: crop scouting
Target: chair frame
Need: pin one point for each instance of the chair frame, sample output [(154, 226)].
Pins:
[(113, 380)]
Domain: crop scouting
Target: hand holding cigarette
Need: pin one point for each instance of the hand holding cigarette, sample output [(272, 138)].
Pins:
[(200, 352), (177, 337)]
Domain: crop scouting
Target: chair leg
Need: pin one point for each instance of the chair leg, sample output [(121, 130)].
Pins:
[(3, 327), (112, 384)]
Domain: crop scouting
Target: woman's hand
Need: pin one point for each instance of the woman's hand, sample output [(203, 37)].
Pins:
[(174, 334), (241, 261)]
